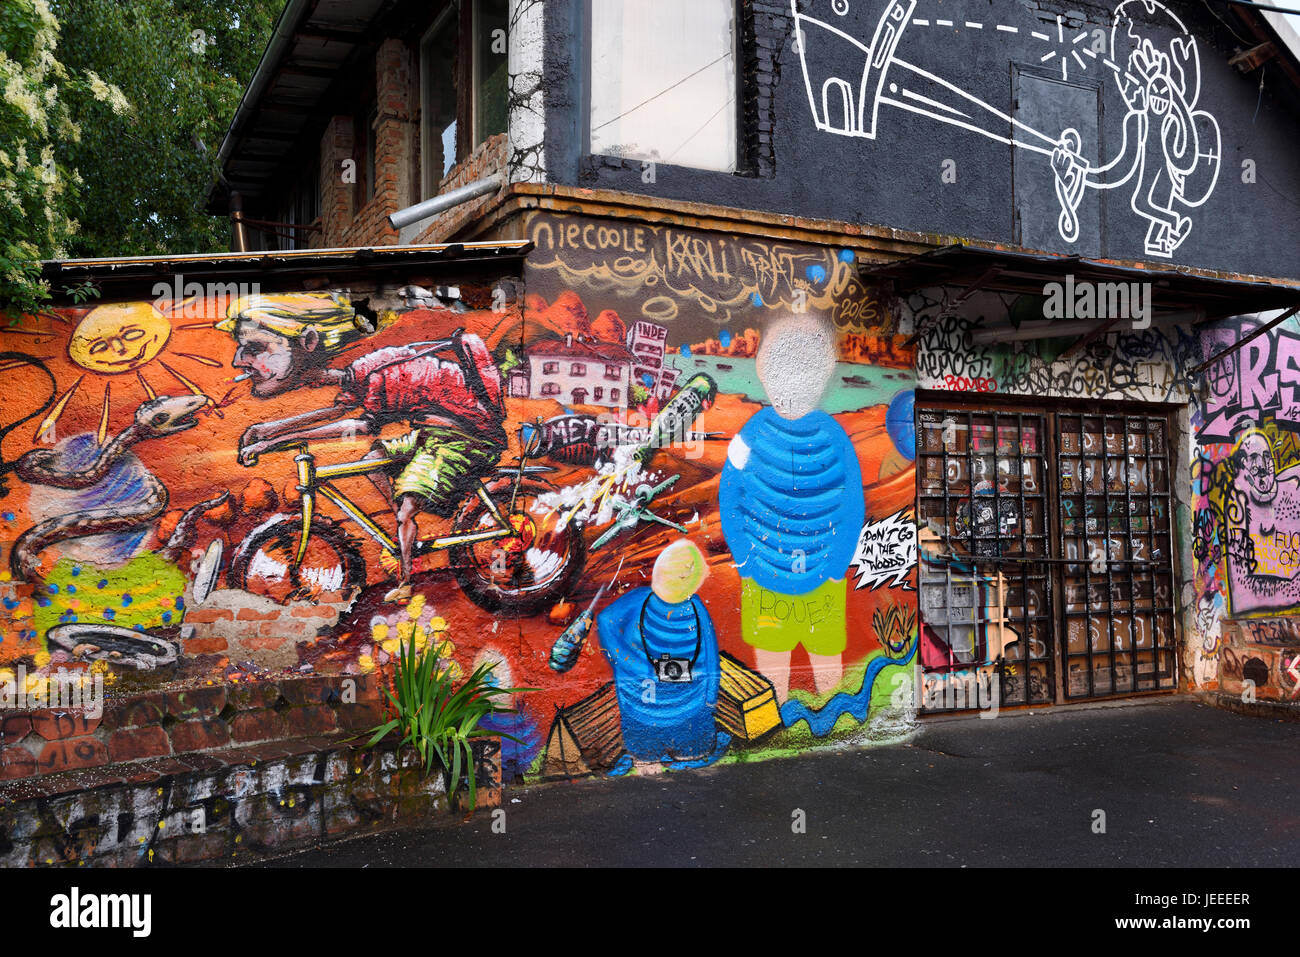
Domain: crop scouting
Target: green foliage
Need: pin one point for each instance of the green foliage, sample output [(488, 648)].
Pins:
[(182, 65), (111, 115), (438, 720), (37, 93), (640, 394)]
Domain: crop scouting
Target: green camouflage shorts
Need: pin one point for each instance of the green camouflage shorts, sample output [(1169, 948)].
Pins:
[(437, 464)]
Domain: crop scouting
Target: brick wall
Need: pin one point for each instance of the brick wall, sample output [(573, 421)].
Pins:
[(487, 159), (211, 772)]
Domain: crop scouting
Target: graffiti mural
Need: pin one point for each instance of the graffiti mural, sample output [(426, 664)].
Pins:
[(620, 486), (1137, 365), (854, 58), (726, 501)]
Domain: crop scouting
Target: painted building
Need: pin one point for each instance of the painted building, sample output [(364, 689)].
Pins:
[(580, 371), (647, 341), (975, 387)]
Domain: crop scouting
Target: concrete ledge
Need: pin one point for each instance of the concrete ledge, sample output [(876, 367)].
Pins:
[(226, 805), (1259, 708)]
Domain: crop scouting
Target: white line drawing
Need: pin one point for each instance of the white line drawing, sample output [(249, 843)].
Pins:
[(1171, 151)]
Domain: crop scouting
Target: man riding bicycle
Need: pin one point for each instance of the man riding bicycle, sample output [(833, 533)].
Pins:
[(449, 392)]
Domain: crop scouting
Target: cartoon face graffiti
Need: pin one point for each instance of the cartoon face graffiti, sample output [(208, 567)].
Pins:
[(120, 337), (1256, 475), (275, 362), (281, 337)]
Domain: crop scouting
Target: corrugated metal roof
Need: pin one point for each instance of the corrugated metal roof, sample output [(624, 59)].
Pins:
[(120, 276)]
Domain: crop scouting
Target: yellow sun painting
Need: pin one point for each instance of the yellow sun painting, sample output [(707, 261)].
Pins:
[(116, 339)]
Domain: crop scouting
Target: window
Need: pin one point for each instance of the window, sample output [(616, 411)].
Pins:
[(613, 395), (578, 368), (550, 368), (612, 372), (438, 85), (462, 97), (1052, 568), (550, 388), (663, 81), (598, 393), (491, 74)]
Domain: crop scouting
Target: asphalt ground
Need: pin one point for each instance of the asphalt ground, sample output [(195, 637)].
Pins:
[(1180, 784)]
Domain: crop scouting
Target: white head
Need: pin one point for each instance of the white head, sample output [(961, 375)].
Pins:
[(795, 363)]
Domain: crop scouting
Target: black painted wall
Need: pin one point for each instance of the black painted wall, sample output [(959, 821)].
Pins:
[(895, 179)]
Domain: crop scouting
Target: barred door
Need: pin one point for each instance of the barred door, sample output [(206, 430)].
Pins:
[(1117, 600), (1046, 556)]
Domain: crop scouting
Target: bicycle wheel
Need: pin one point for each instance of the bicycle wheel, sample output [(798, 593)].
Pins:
[(264, 563), (520, 573)]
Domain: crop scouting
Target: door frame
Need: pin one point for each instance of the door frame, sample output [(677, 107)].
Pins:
[(1050, 407)]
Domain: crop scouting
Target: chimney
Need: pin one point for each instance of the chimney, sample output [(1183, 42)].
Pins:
[(568, 340)]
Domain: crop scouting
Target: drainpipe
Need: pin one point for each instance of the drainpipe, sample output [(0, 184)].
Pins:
[(445, 201), (237, 219)]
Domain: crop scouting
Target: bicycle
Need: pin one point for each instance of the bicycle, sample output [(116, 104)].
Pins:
[(502, 558)]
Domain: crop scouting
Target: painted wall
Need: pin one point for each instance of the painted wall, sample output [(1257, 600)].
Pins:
[(719, 565), (1111, 130), (1247, 521)]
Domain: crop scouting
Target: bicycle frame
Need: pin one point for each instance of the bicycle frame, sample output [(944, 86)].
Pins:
[(313, 479)]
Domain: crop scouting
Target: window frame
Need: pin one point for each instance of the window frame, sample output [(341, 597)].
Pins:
[(452, 14), (740, 160)]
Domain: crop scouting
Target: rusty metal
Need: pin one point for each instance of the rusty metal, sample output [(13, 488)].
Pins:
[(1241, 342)]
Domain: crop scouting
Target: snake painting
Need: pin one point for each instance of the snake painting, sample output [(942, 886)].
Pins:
[(155, 418)]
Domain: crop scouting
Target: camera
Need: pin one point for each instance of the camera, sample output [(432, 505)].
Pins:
[(672, 670)]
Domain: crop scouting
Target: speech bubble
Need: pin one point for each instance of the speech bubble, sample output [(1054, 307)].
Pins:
[(885, 548)]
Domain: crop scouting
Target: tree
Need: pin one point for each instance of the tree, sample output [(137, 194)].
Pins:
[(183, 65), (109, 146), (38, 98)]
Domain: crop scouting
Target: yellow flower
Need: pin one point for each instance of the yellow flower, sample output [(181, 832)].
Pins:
[(366, 664), (415, 606), (404, 629), (42, 658), (437, 623), (389, 645), (379, 632)]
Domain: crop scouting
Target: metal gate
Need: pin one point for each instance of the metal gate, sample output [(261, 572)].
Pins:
[(1117, 599), (1045, 558)]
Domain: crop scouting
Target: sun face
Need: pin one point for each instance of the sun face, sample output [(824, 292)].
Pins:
[(120, 337)]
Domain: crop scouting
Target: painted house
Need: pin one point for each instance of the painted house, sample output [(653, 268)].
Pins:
[(579, 372), (1018, 292)]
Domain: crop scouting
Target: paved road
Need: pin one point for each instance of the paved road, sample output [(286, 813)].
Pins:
[(1181, 784)]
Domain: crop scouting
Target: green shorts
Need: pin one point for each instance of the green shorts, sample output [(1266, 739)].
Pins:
[(771, 621), (438, 465)]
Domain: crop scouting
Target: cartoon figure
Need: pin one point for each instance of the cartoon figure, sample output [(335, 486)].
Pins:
[(449, 392), (1172, 148), (1262, 515), (792, 508), (661, 645)]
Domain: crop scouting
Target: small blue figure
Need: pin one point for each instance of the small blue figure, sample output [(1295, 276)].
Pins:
[(660, 643)]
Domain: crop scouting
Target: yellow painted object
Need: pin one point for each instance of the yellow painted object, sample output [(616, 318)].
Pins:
[(746, 701)]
